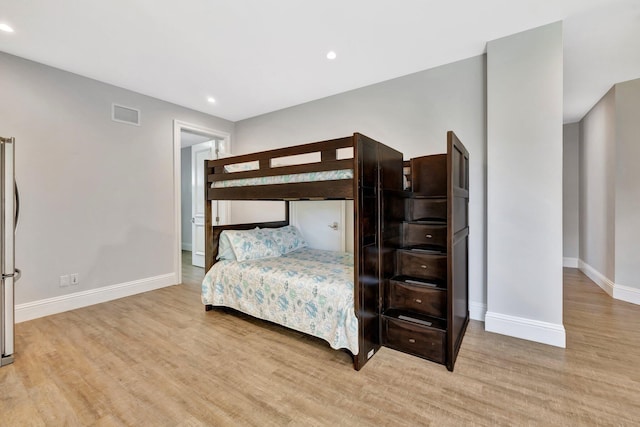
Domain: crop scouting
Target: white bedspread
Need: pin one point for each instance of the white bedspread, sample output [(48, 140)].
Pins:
[(308, 290)]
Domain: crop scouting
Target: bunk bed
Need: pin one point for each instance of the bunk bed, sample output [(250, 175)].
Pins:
[(371, 174), (371, 167)]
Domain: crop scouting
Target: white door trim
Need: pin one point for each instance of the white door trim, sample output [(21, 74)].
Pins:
[(343, 226), (178, 126), (199, 152)]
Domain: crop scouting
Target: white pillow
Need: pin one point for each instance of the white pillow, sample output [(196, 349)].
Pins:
[(288, 239), (252, 244), (225, 252)]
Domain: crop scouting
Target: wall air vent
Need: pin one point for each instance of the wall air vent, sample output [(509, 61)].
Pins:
[(122, 114)]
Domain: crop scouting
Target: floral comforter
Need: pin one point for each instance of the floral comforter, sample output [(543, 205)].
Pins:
[(308, 290)]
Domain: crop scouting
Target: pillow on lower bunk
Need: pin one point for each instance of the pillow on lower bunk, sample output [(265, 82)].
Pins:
[(225, 251), (288, 238), (252, 244)]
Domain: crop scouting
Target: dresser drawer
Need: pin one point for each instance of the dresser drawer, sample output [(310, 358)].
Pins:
[(423, 299), (409, 337), (427, 209), (422, 265), (424, 234)]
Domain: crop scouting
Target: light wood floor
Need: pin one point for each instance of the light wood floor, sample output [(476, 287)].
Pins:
[(159, 359)]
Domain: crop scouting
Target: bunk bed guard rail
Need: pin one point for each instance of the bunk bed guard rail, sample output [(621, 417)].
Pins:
[(318, 173)]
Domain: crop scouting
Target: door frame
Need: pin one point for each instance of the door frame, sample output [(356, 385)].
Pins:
[(209, 147), (178, 127)]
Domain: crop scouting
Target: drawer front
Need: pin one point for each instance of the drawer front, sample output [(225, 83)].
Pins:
[(414, 339), (420, 234), (427, 209), (417, 298), (420, 265)]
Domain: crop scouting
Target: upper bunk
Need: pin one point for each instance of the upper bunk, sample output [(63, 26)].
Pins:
[(323, 170)]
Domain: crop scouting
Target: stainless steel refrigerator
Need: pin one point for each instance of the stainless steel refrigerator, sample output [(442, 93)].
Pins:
[(8, 218)]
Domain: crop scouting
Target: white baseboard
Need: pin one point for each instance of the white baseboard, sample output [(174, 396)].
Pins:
[(570, 262), (55, 305), (187, 246), (477, 310), (528, 329), (626, 293), (616, 290), (597, 277)]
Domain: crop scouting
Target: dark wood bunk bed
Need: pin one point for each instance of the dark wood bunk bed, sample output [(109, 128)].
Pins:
[(381, 212)]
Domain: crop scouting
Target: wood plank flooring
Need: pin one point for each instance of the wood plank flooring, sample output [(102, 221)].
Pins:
[(159, 359)]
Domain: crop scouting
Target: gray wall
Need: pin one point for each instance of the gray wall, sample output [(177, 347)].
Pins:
[(570, 193), (185, 199), (411, 114), (627, 192), (597, 186), (524, 185), (97, 197)]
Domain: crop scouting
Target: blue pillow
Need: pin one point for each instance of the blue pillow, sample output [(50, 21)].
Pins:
[(288, 238), (252, 244)]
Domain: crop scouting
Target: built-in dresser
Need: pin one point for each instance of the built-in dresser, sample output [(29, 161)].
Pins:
[(425, 307)]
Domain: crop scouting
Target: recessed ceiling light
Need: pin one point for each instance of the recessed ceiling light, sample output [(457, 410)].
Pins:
[(211, 100), (6, 28), (331, 55)]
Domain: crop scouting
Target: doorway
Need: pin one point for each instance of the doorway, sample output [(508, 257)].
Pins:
[(192, 145)]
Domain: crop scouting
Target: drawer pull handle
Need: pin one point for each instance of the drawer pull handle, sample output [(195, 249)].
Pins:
[(412, 341), (428, 236), (423, 266), (419, 301)]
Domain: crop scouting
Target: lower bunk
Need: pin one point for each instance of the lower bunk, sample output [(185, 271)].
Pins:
[(270, 273)]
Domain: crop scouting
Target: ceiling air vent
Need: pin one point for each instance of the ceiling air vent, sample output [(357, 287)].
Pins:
[(122, 114)]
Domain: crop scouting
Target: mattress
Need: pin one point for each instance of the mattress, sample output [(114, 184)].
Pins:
[(287, 179), (308, 290)]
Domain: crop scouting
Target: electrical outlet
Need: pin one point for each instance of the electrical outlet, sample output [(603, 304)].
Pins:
[(64, 281), (75, 280)]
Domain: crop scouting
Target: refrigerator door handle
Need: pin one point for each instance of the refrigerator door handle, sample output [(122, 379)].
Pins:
[(17, 271), (17, 210)]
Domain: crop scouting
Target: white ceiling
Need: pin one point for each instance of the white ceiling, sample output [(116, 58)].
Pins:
[(257, 56)]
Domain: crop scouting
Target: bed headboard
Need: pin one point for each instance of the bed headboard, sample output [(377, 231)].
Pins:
[(211, 242)]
